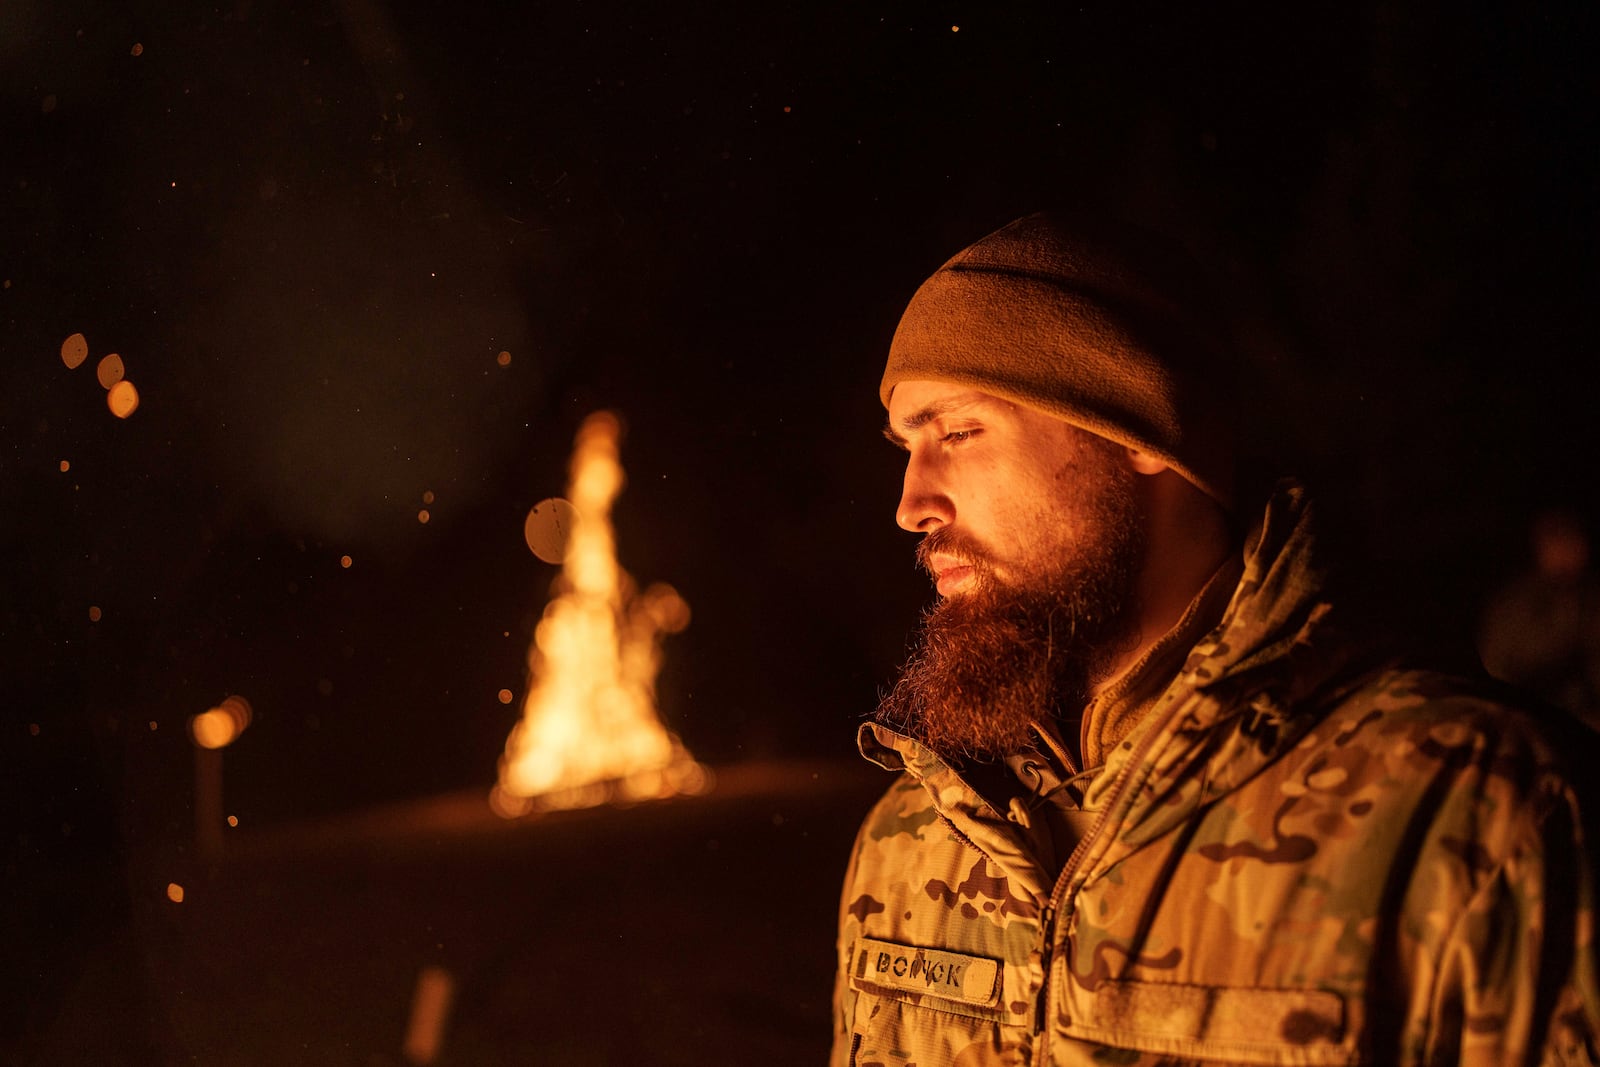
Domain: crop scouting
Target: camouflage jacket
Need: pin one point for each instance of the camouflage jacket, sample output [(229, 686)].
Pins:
[(1307, 852)]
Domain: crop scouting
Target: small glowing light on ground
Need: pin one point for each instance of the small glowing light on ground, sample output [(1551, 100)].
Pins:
[(109, 371), (94, 613), (345, 561), (423, 516), (504, 359), (175, 892), (590, 733), (233, 820), (212, 731), (74, 350), (65, 466), (123, 399)]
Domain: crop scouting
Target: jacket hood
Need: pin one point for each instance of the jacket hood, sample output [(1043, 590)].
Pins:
[(1287, 648)]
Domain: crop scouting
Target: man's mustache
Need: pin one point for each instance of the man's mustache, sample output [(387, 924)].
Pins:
[(947, 541)]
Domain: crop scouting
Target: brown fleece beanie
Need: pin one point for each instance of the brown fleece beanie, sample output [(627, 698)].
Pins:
[(1106, 329)]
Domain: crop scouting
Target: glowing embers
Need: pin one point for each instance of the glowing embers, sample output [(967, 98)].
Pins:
[(590, 733), (121, 396), (74, 350)]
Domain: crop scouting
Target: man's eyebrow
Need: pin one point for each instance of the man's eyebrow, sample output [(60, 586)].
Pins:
[(918, 419)]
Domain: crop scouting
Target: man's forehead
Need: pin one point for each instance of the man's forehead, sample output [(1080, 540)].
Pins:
[(916, 403)]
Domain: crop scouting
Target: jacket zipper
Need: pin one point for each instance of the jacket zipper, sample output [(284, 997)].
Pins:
[(1058, 897), (1041, 1007)]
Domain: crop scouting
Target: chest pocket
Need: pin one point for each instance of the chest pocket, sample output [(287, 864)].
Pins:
[(1237, 1025)]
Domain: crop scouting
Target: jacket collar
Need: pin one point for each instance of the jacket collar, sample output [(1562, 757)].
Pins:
[(1278, 660)]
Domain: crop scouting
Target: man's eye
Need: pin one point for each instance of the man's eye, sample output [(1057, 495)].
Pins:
[(957, 436)]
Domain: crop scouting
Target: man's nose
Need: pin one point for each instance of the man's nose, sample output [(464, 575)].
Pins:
[(924, 504)]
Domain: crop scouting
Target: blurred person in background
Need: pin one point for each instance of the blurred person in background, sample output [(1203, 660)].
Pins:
[(1541, 631)]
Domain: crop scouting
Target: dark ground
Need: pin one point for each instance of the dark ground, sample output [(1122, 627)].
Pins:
[(689, 931)]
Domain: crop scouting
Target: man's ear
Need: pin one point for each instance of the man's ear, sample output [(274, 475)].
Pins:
[(1144, 462)]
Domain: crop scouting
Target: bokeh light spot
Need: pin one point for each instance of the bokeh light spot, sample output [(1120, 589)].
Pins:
[(504, 359), (548, 527), (218, 727), (212, 729), (48, 104), (33, 729), (423, 516), (94, 613), (74, 350), (123, 400), (153, 725), (345, 561), (505, 696), (136, 50), (65, 466), (109, 370), (233, 820), (427, 496), (175, 892)]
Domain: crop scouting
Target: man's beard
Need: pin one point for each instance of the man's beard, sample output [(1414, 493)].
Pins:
[(995, 660)]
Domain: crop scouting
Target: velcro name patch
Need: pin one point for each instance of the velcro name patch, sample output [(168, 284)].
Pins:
[(952, 975)]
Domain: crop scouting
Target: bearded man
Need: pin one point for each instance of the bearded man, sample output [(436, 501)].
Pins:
[(1163, 795)]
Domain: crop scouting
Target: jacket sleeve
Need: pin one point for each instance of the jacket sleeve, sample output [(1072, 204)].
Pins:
[(1517, 981)]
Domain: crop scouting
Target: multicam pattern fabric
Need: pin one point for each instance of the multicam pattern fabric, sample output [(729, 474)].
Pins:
[(1307, 853)]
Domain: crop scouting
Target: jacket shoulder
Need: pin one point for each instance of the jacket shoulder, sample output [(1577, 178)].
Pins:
[(1461, 718)]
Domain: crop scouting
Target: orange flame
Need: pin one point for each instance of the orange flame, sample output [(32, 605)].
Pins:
[(590, 733)]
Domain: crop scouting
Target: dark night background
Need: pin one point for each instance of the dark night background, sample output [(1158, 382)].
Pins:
[(309, 228)]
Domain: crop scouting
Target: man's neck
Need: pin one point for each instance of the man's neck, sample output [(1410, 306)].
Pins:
[(1187, 539), (1119, 707)]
